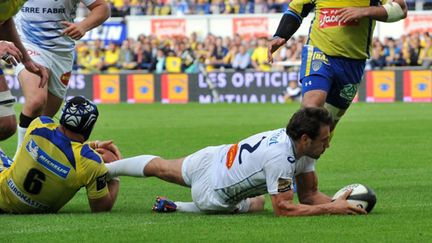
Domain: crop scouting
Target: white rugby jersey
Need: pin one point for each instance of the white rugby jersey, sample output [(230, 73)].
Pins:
[(260, 164), (38, 23)]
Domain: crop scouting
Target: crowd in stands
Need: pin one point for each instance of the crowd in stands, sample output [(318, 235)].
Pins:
[(193, 53), (121, 8), (409, 50), (189, 54)]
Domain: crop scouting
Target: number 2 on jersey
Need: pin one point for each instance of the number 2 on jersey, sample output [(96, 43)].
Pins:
[(249, 148), (232, 152)]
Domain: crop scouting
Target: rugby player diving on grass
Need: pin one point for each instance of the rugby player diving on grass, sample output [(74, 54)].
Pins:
[(234, 177)]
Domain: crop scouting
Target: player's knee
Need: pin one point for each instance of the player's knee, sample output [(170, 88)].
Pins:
[(8, 127), (314, 98)]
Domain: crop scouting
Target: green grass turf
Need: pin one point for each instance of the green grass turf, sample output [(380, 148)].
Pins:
[(385, 146)]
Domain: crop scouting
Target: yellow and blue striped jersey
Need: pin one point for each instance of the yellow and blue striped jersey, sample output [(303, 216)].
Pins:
[(351, 40), (49, 169)]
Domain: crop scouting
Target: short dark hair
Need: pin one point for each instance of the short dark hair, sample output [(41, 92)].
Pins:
[(308, 121)]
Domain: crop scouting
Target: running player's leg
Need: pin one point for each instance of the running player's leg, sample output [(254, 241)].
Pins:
[(35, 101), (348, 74), (53, 105), (315, 76)]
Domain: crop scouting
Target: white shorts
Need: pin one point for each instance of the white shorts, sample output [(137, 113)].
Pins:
[(197, 172), (59, 65)]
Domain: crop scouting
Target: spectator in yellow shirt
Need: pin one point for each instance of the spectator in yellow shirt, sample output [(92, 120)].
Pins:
[(259, 56), (112, 57)]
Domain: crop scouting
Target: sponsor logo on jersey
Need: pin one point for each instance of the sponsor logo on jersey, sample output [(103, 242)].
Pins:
[(232, 152), (349, 91), (330, 18), (101, 182), (291, 159), (274, 138), (320, 56), (24, 198), (65, 78), (32, 53), (307, 83), (316, 65), (284, 184), (46, 161), (6, 162)]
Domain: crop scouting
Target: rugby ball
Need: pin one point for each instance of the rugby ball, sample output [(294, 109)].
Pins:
[(106, 155), (361, 196)]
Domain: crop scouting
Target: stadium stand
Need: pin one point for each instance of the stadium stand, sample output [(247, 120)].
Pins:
[(148, 53)]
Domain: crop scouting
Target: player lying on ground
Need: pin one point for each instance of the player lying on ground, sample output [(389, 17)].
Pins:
[(233, 178), (54, 163)]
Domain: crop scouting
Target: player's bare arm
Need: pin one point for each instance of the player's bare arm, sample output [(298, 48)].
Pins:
[(283, 205), (288, 25), (307, 189), (9, 33), (389, 12), (99, 12), (106, 202)]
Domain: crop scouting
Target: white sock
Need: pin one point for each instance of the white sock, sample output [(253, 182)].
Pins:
[(188, 207), (21, 131), (129, 167)]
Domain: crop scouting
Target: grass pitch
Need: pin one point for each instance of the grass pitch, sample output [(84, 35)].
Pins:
[(384, 146)]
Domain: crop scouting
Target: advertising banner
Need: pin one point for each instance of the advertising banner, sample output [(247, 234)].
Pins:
[(240, 87), (251, 27), (106, 88), (107, 32), (175, 88), (420, 23), (380, 86), (417, 86), (140, 88), (168, 27)]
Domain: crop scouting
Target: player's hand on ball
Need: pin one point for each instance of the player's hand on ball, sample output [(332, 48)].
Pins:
[(107, 155), (108, 145), (342, 206)]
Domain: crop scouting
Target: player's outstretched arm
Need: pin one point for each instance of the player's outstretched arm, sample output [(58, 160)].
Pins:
[(288, 25), (99, 12), (283, 206), (390, 12), (307, 189)]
